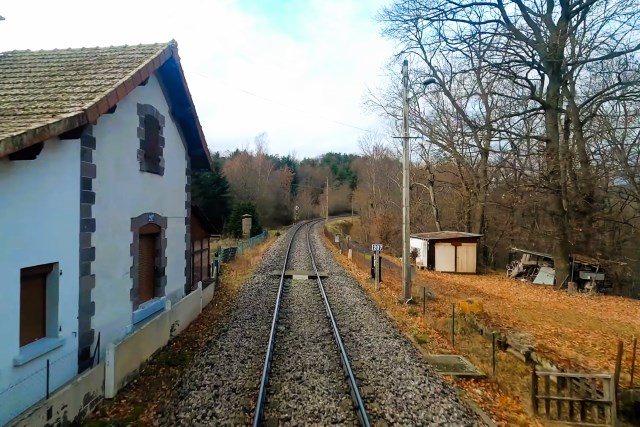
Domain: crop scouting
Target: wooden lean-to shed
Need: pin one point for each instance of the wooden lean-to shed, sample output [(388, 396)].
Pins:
[(446, 251)]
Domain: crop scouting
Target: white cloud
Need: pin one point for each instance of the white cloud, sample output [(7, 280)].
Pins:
[(321, 68)]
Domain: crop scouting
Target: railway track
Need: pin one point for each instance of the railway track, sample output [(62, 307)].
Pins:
[(307, 377)]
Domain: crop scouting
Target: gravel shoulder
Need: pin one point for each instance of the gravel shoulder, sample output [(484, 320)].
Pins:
[(221, 386)]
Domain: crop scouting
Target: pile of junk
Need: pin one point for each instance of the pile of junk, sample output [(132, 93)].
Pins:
[(587, 274)]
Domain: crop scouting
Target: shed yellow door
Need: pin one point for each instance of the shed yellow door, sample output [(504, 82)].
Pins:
[(466, 258), (445, 257)]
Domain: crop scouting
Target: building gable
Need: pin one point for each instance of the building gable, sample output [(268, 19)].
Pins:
[(48, 93)]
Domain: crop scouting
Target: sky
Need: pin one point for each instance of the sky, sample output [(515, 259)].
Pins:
[(298, 70)]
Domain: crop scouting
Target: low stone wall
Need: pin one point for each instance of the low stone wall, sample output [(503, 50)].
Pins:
[(123, 359), (207, 294), (69, 404), (519, 345), (185, 311)]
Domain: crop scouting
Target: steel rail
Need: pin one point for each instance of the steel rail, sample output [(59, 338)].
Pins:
[(346, 365), (264, 380)]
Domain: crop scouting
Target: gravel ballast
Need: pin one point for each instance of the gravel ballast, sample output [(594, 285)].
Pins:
[(397, 385)]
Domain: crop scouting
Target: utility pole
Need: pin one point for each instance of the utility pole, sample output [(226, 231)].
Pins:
[(406, 253), (327, 200)]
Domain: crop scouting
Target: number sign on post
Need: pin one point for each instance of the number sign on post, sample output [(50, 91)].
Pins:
[(376, 248)]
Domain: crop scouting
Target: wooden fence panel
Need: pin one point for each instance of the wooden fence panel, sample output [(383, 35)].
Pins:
[(593, 394)]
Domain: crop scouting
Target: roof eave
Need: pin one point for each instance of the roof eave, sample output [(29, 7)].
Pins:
[(18, 141), (186, 117)]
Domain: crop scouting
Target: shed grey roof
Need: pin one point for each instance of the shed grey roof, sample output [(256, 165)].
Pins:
[(530, 252), (445, 235)]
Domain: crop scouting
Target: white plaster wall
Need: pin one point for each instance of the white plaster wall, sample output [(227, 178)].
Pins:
[(122, 193), (207, 294), (421, 246), (39, 224)]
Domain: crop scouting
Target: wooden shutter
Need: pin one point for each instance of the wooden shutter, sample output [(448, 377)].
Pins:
[(146, 266), (33, 303), (151, 139)]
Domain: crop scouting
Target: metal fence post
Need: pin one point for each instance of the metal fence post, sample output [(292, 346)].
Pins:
[(453, 325), (493, 352), (633, 360), (48, 370)]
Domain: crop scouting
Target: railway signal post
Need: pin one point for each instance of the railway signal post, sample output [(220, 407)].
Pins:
[(376, 248)]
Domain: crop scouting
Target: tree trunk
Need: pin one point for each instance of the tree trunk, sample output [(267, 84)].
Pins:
[(434, 206), (482, 193), (560, 224)]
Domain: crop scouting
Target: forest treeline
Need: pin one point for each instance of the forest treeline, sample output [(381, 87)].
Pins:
[(269, 187), (528, 134)]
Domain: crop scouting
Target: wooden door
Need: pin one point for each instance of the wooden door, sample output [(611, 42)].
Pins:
[(445, 257), (147, 266), (466, 258)]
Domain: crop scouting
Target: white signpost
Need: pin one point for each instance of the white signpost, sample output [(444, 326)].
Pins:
[(377, 248)]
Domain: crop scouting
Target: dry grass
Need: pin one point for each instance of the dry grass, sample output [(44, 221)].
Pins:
[(134, 405), (574, 331)]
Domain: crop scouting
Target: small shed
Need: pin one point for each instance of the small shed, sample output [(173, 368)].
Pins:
[(446, 251), (201, 232)]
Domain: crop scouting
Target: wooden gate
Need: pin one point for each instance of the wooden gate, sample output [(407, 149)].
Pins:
[(574, 398)]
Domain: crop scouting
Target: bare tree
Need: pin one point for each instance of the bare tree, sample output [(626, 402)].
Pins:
[(558, 60)]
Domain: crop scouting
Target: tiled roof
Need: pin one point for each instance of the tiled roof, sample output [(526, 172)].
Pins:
[(445, 235), (48, 92)]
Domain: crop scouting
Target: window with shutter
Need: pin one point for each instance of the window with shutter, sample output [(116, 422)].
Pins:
[(152, 150), (150, 153), (33, 303)]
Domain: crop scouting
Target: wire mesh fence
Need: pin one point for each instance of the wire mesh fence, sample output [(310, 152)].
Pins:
[(453, 325), (247, 244), (229, 253), (26, 391), (362, 256)]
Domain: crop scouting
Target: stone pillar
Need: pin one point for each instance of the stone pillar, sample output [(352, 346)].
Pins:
[(246, 226)]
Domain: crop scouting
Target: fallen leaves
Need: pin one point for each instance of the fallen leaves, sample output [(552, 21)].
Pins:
[(576, 332)]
